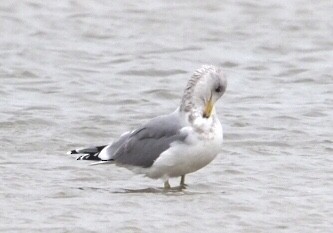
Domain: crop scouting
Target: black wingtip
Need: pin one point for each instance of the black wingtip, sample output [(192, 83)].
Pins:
[(88, 157), (72, 152)]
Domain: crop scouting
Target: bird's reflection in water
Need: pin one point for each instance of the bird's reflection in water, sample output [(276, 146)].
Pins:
[(177, 189)]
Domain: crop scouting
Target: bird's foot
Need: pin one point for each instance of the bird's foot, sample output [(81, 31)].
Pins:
[(182, 181), (167, 185)]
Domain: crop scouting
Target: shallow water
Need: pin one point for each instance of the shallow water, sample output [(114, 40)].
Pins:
[(77, 73)]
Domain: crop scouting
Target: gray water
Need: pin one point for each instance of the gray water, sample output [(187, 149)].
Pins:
[(77, 73)]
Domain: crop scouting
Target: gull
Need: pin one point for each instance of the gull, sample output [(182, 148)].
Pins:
[(175, 144)]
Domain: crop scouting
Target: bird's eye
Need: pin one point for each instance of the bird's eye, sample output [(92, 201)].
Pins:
[(218, 89)]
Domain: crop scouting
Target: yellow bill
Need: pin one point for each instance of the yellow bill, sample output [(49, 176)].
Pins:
[(208, 109)]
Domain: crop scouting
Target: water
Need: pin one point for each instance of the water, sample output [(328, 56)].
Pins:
[(77, 73)]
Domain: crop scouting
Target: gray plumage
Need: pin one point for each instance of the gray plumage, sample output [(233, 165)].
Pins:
[(140, 147), (144, 145)]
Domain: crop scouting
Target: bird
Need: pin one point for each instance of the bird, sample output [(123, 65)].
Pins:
[(175, 144)]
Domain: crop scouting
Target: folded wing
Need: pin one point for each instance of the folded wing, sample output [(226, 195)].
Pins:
[(144, 145)]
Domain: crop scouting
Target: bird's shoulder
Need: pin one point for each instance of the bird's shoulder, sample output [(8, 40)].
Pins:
[(161, 126)]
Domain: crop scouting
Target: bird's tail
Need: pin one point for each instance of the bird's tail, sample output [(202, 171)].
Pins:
[(90, 153)]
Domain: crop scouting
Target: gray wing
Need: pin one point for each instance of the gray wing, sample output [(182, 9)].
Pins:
[(144, 145)]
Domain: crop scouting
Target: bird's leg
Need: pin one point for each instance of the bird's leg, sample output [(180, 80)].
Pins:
[(167, 185), (182, 180)]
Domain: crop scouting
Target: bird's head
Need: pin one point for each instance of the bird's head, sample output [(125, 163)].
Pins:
[(205, 87)]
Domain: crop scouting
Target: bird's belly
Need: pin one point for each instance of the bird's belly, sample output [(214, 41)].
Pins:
[(189, 162), (181, 159)]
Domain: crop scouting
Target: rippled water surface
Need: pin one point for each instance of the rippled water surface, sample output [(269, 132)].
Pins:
[(77, 73)]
